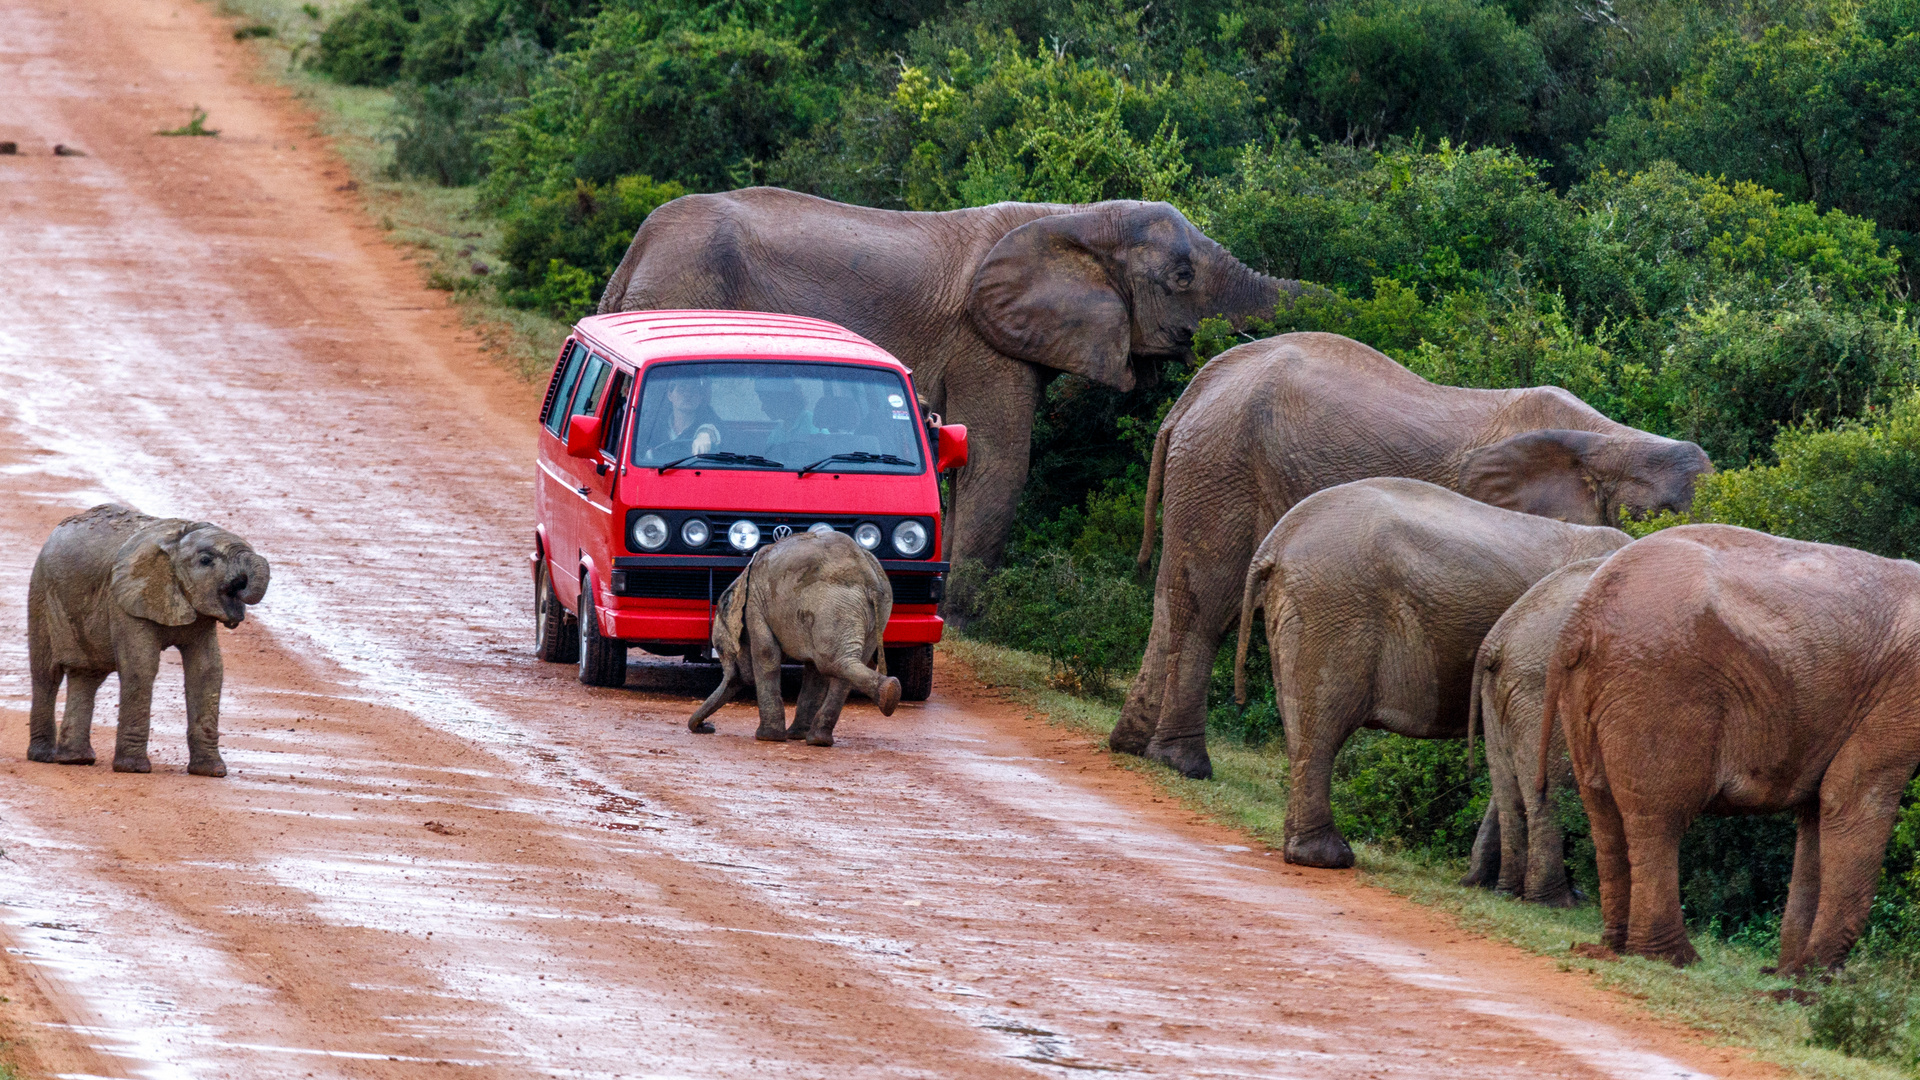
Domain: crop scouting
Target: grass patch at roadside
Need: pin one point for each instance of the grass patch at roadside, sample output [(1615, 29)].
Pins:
[(456, 246), (1724, 995)]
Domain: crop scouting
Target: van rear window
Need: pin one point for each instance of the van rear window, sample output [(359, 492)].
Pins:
[(557, 410), (835, 417)]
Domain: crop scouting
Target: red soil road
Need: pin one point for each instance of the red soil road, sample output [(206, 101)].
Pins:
[(211, 327)]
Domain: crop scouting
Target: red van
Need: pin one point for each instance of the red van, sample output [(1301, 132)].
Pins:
[(675, 443)]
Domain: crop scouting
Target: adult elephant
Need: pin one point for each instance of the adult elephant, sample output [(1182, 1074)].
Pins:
[(985, 305), (1712, 669), (1266, 424), (1377, 595)]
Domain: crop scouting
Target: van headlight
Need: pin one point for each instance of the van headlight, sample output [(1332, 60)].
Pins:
[(910, 538), (744, 535), (695, 533), (649, 532), (867, 535)]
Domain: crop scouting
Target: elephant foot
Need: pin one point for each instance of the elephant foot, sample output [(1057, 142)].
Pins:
[(701, 727), (889, 695), (1555, 898), (66, 756), (1681, 955), (1482, 877), (213, 767), (131, 764), (820, 738), (1323, 847), (40, 752), (1187, 755), (799, 731), (777, 733), (1129, 737)]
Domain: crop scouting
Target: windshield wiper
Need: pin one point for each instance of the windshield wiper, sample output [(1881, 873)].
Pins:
[(859, 457), (726, 458)]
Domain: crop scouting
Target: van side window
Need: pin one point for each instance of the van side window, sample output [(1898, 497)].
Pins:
[(593, 382), (563, 393), (617, 415)]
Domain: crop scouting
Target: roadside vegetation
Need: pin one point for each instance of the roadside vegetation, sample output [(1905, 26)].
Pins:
[(1702, 218)]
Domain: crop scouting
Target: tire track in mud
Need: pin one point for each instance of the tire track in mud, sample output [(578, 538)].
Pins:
[(435, 854)]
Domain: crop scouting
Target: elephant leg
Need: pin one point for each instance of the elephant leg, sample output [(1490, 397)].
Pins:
[(813, 691), (1656, 928), (40, 720), (1318, 723), (1483, 865), (995, 396), (1610, 858), (1545, 881), (764, 650), (1141, 713), (139, 662), (882, 690), (836, 696), (1858, 801), (74, 746), (1516, 828), (200, 660), (729, 686), (1803, 893)]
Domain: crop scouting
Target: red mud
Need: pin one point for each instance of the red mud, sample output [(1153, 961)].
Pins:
[(435, 856)]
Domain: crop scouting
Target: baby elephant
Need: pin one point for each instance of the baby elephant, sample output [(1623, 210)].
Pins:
[(821, 599), (1521, 849), (110, 590)]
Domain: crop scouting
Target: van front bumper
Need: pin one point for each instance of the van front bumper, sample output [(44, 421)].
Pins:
[(669, 599)]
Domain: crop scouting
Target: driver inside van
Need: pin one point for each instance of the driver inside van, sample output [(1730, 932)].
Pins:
[(692, 421), (785, 404)]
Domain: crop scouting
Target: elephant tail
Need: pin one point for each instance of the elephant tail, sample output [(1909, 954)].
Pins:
[(1550, 714), (1473, 702), (1156, 476), (1257, 576)]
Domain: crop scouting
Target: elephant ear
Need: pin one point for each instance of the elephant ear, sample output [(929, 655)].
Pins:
[(144, 584), (1544, 472), (1047, 294)]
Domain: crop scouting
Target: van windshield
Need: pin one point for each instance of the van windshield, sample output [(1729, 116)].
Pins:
[(777, 415)]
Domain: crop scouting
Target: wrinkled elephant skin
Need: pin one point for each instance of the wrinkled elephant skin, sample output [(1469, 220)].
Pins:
[(1266, 424), (1377, 595), (1714, 669)]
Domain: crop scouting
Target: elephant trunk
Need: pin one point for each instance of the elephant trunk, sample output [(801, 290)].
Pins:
[(1246, 294), (254, 586)]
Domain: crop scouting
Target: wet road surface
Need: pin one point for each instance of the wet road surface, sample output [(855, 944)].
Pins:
[(434, 856)]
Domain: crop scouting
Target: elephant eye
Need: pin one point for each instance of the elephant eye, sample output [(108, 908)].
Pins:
[(206, 559)]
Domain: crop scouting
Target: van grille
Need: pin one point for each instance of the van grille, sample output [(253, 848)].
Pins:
[(670, 583)]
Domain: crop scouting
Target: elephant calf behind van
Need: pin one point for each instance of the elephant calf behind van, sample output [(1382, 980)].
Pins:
[(111, 590), (822, 600), (1377, 595)]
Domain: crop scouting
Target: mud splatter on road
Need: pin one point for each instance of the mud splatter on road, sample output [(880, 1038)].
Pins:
[(435, 856)]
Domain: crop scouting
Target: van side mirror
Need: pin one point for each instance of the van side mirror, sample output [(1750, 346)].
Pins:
[(952, 450), (583, 437)]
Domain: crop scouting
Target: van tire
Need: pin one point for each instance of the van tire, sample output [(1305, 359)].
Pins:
[(913, 666), (554, 638), (603, 661)]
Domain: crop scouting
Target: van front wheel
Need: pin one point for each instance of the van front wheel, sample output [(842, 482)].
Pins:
[(603, 661), (554, 638), (913, 666)]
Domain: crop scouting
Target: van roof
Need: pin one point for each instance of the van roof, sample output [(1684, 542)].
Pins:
[(643, 336)]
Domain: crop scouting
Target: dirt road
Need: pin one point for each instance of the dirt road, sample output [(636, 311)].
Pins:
[(435, 856)]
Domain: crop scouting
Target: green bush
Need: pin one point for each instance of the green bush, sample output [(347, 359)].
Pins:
[(1866, 1014), (1089, 626), (561, 249), (365, 44)]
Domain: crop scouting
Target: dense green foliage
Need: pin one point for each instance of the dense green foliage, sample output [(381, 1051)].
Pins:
[(1699, 217)]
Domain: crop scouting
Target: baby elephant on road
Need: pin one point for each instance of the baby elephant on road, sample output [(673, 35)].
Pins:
[(1521, 849), (822, 600), (1377, 595), (112, 589), (1712, 669)]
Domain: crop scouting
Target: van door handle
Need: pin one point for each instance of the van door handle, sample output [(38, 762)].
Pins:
[(583, 491)]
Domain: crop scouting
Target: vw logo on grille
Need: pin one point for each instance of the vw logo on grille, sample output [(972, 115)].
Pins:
[(781, 532)]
